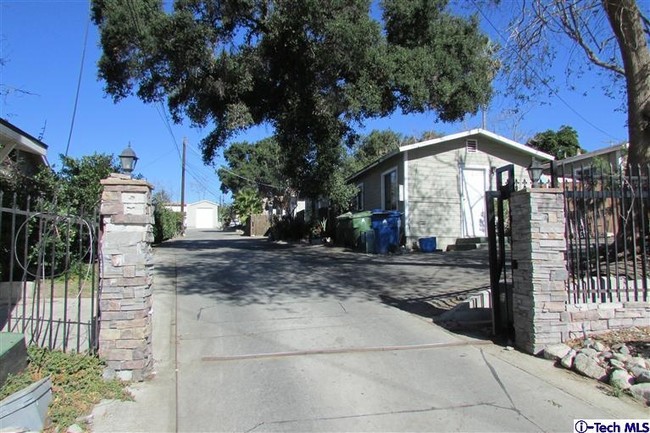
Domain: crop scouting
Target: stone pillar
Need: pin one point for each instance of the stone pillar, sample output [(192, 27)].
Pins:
[(539, 269), (126, 277)]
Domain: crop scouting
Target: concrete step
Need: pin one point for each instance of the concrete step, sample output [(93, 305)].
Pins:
[(476, 240)]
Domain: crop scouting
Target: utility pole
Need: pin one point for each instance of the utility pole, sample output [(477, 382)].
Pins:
[(183, 185)]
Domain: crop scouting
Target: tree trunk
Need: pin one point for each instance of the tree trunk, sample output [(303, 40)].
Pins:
[(625, 19)]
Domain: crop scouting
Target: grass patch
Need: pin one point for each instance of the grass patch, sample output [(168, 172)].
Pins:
[(77, 384)]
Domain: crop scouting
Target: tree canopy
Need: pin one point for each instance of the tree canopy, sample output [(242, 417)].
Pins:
[(311, 69), (562, 143), (257, 165)]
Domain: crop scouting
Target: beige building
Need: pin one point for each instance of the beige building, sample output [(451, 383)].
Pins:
[(439, 185)]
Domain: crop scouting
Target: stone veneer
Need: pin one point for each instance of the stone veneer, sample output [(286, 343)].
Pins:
[(541, 312), (126, 278)]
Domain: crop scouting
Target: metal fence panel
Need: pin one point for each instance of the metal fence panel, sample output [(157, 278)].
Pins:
[(49, 274), (607, 232)]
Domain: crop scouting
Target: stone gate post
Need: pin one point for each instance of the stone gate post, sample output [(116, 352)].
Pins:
[(126, 277), (539, 268)]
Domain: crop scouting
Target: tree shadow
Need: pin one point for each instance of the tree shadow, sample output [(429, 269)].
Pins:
[(226, 267)]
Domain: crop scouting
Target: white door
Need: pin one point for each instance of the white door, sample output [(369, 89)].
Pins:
[(474, 185), (204, 218)]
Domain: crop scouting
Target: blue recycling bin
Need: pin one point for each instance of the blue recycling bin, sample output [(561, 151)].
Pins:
[(387, 227)]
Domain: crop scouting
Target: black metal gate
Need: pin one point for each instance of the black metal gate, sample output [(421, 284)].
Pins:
[(498, 211), (49, 275)]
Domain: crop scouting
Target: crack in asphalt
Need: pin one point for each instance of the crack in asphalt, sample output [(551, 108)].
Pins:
[(396, 412), (341, 350), (505, 391)]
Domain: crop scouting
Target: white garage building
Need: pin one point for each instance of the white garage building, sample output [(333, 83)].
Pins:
[(202, 214)]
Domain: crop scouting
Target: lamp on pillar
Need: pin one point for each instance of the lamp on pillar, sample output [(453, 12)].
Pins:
[(535, 172), (128, 159)]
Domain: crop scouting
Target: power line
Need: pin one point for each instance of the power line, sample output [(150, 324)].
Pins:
[(191, 170), (553, 91), (81, 70)]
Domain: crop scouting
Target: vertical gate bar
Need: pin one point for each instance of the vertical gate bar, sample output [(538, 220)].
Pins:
[(580, 235), (94, 294), (592, 290), (79, 283), (633, 207), (52, 276), (644, 234), (66, 283), (607, 197), (567, 231), (577, 238), (625, 217), (13, 243), (635, 229), (613, 205), (14, 211), (492, 255), (595, 195), (2, 212), (28, 218), (38, 281), (21, 320)]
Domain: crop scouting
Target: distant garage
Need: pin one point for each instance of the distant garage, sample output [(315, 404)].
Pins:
[(203, 214)]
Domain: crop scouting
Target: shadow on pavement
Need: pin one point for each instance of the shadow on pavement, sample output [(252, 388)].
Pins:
[(227, 267)]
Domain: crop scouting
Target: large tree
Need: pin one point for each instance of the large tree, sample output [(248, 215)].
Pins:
[(562, 143), (611, 35), (311, 69), (253, 165)]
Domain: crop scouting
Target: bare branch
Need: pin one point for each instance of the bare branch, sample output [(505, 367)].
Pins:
[(570, 20)]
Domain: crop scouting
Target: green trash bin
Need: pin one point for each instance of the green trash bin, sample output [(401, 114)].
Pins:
[(360, 222), (343, 229)]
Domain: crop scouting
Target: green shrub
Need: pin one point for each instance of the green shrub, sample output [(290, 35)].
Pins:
[(77, 384), (167, 223)]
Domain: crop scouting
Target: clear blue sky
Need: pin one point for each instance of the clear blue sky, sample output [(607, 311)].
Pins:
[(42, 44)]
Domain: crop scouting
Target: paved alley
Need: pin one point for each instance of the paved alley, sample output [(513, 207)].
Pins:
[(253, 336)]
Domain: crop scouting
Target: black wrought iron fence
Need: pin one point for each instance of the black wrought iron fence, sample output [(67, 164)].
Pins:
[(48, 274), (606, 232)]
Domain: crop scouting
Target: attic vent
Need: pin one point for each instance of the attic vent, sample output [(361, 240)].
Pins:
[(471, 146)]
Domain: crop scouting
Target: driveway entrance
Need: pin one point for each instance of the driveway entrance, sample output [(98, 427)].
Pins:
[(253, 336)]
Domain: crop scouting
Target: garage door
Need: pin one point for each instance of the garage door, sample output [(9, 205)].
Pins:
[(204, 218)]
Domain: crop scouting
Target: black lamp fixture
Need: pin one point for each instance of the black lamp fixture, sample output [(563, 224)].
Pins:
[(535, 172), (128, 159)]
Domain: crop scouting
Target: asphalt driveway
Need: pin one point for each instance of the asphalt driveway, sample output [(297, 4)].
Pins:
[(256, 336)]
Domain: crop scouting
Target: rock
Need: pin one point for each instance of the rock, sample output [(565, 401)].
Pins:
[(591, 353), (567, 360), (607, 355), (641, 391), (589, 366), (636, 361), (75, 428), (556, 351), (598, 346), (621, 379), (641, 375), (623, 349), (617, 364), (621, 357)]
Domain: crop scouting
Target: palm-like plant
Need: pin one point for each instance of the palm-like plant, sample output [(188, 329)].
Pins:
[(247, 202)]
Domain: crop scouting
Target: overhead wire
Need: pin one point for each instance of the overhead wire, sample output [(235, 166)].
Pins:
[(78, 91), (203, 181), (551, 89)]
